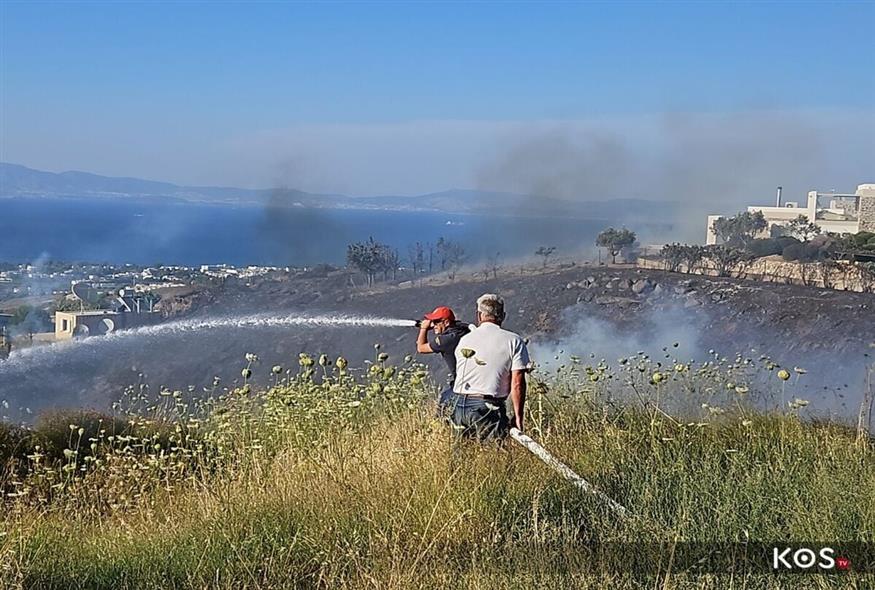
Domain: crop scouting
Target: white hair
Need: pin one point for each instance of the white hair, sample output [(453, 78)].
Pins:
[(491, 306)]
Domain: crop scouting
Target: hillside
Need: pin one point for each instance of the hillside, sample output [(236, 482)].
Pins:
[(20, 181), (581, 309)]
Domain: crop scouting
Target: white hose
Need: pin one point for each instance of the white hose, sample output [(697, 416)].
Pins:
[(565, 471)]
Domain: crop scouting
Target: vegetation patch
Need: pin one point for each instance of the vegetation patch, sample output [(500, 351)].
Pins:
[(335, 477)]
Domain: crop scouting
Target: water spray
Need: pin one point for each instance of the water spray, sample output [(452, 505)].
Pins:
[(183, 327)]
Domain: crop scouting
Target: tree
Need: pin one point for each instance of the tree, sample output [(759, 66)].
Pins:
[(430, 247), (390, 262), (693, 255), (416, 254), (740, 229), (441, 248), (372, 257), (802, 229), (723, 258), (493, 262), (29, 320), (614, 240), (452, 255), (672, 256), (546, 252)]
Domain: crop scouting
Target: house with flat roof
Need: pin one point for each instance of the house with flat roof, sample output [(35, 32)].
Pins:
[(79, 324), (832, 212)]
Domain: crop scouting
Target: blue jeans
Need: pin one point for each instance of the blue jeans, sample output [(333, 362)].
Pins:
[(444, 400), (480, 418)]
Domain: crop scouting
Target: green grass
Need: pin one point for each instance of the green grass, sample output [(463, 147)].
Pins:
[(333, 481)]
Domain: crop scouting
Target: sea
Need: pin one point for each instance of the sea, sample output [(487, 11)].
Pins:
[(169, 232)]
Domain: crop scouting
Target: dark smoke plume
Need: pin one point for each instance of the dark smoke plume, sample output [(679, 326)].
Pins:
[(703, 163)]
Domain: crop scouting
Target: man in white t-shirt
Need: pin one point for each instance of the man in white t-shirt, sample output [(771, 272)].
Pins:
[(491, 365)]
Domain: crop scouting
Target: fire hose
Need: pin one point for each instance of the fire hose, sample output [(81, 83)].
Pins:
[(565, 471)]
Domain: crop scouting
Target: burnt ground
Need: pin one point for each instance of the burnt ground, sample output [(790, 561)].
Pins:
[(599, 310)]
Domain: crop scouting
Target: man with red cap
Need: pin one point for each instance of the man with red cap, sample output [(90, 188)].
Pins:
[(447, 333)]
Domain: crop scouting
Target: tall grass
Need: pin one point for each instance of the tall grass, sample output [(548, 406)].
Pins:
[(334, 478)]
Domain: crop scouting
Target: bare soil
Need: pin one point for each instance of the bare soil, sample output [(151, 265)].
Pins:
[(797, 325)]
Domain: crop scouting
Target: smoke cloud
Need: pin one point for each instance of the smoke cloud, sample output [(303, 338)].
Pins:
[(702, 163), (672, 333)]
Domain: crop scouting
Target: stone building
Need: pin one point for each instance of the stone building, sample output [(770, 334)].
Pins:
[(867, 207)]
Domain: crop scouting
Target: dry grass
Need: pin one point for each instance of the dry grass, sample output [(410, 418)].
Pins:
[(331, 481)]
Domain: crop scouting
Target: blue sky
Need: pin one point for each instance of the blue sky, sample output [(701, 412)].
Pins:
[(410, 97)]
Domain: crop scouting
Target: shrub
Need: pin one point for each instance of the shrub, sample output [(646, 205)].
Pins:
[(792, 252), (13, 443), (765, 247), (862, 238), (803, 252), (785, 241), (56, 430)]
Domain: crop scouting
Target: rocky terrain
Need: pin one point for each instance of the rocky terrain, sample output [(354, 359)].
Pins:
[(585, 309), (792, 318)]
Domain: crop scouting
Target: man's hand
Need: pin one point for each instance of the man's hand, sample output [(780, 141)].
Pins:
[(422, 345)]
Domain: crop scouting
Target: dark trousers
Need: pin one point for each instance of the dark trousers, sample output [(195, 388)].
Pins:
[(478, 417)]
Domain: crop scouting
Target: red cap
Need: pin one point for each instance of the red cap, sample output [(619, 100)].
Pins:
[(441, 313)]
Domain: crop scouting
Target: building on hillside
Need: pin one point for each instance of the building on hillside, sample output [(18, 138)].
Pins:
[(80, 324), (832, 212)]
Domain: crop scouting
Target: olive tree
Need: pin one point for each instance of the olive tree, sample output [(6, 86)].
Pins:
[(672, 256), (723, 258), (801, 228), (740, 229), (614, 240)]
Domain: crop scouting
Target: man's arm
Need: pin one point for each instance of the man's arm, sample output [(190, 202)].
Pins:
[(518, 396), (422, 344)]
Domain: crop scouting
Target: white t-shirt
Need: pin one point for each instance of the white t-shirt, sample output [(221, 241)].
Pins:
[(487, 371)]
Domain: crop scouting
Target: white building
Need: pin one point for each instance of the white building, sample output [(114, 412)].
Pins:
[(832, 212)]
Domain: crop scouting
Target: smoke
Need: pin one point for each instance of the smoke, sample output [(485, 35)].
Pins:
[(652, 333), (32, 284), (693, 163), (671, 333), (562, 163), (295, 232)]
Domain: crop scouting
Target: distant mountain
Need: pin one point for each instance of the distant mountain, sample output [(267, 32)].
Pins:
[(20, 181)]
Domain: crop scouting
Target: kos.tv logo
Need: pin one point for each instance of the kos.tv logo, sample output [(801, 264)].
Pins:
[(823, 559)]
